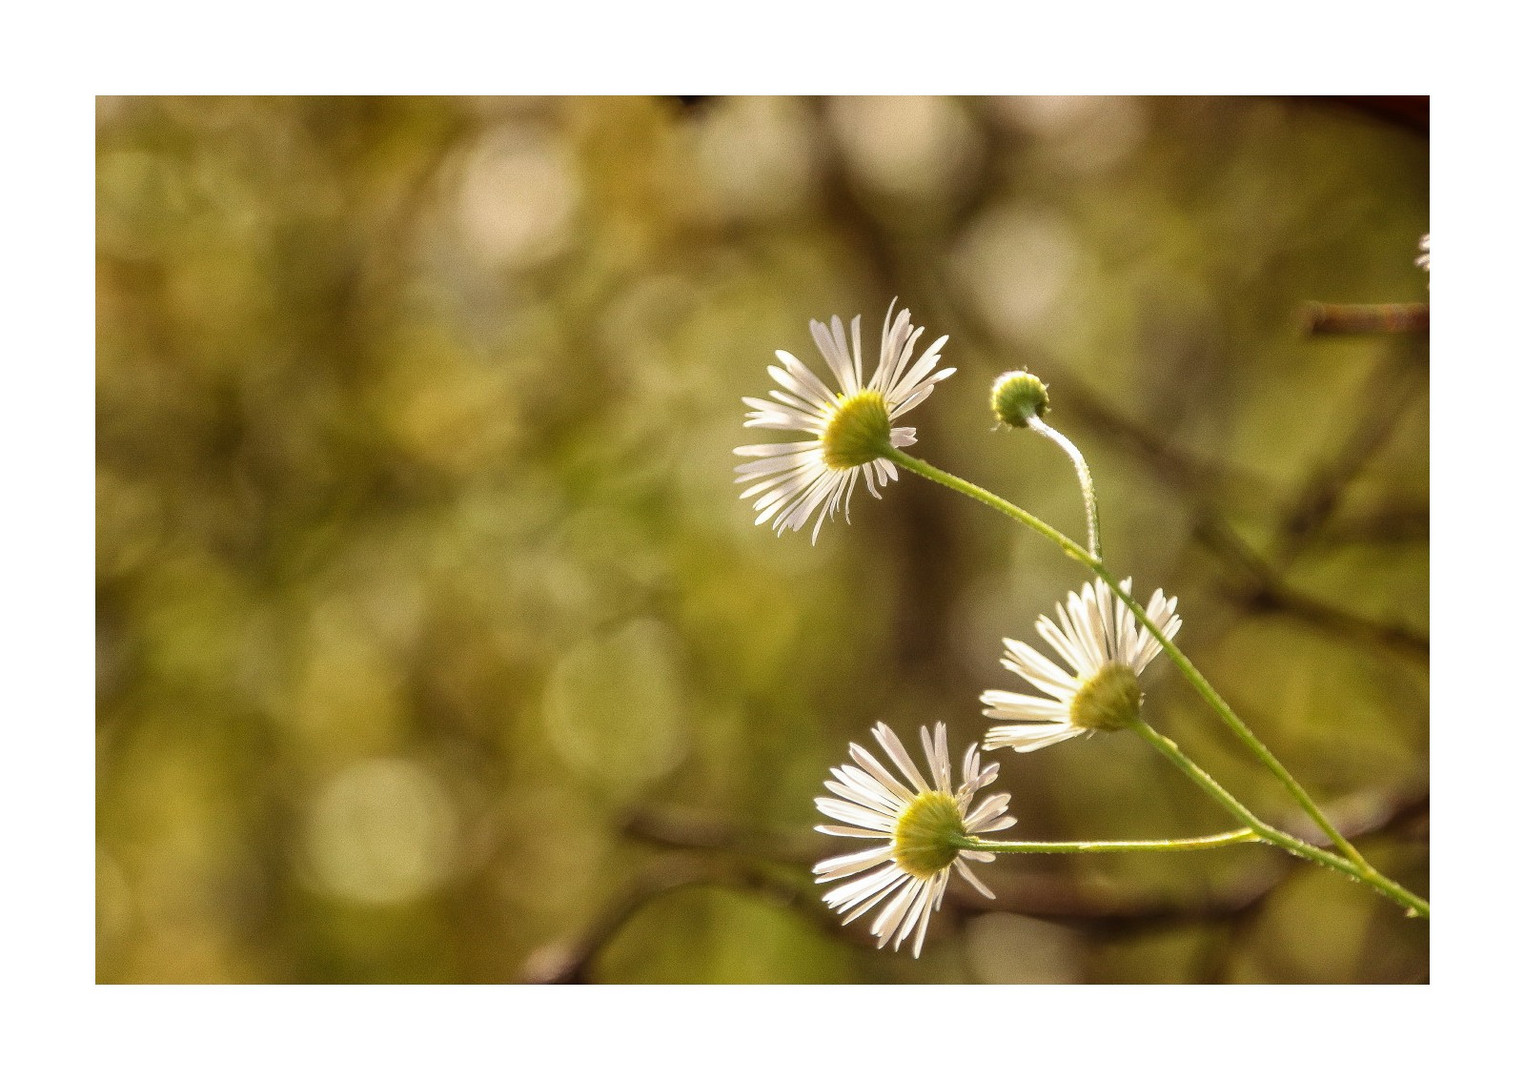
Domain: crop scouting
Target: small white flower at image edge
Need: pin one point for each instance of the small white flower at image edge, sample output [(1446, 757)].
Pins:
[(849, 429), (914, 821), (1106, 648)]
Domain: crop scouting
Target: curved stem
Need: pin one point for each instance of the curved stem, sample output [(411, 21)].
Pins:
[(1022, 847), (995, 502), (1350, 861), (1362, 871), (1238, 726), (1083, 473), (1177, 657)]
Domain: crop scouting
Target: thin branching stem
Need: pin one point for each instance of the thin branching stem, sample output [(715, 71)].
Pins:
[(1083, 474), (1362, 871), (1063, 847), (1348, 861)]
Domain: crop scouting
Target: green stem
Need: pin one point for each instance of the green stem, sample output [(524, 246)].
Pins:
[(1238, 726), (1177, 657), (1361, 871), (1062, 847), (1083, 473), (995, 502), (1350, 861)]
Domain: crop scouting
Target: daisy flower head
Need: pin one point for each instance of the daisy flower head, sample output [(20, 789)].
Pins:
[(916, 824), (1098, 637), (849, 429)]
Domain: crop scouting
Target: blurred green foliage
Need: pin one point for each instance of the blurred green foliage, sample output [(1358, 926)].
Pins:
[(433, 643)]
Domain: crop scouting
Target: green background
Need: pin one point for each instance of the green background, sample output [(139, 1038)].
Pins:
[(433, 643)]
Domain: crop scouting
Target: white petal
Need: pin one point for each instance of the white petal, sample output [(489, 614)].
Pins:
[(852, 814), (1039, 670), (933, 902), (857, 349), (879, 772), (778, 463), (968, 875), (888, 920), (878, 893), (892, 745), (854, 892), (847, 865), (990, 808), (1062, 639), (773, 449), (1024, 740), (801, 381), (1005, 705)]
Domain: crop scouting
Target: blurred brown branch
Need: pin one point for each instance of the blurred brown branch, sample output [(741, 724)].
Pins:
[(1261, 588), (1408, 111), (1394, 383), (573, 961), (770, 862), (1204, 478), (1397, 523), (1321, 318)]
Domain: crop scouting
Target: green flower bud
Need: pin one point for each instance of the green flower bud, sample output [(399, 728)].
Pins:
[(1016, 397), (858, 431)]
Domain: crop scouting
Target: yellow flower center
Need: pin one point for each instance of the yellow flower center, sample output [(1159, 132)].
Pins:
[(858, 432), (1108, 701), (924, 834)]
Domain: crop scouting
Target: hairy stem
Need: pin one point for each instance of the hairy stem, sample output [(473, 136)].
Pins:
[(1061, 847), (1349, 861), (1362, 872), (1177, 657), (1083, 474)]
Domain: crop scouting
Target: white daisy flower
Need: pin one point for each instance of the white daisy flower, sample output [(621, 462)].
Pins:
[(1423, 262), (917, 824), (849, 430), (1108, 651)]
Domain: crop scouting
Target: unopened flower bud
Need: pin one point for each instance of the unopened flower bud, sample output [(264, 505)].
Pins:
[(1017, 397)]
